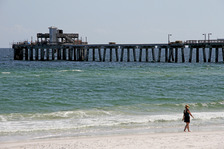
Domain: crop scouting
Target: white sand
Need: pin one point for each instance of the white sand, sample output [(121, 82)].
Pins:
[(196, 140)]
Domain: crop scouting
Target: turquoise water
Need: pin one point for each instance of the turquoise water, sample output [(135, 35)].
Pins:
[(54, 99)]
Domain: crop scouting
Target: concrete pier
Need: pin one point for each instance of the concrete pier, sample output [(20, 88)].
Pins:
[(121, 52)]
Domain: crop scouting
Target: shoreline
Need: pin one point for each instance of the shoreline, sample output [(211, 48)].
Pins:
[(209, 139)]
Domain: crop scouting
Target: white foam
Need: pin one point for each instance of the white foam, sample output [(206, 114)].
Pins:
[(91, 119), (77, 70), (209, 115), (6, 72)]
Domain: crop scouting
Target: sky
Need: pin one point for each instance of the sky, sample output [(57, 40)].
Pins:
[(120, 21)]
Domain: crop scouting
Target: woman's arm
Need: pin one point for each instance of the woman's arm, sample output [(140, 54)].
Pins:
[(190, 113)]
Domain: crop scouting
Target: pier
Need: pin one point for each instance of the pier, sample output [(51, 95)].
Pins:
[(59, 46)]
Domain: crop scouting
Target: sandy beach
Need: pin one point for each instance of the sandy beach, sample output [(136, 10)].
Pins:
[(198, 140)]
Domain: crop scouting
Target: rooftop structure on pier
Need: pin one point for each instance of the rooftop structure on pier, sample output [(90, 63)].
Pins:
[(56, 36)]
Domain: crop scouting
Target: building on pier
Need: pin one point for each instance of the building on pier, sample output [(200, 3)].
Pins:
[(56, 36)]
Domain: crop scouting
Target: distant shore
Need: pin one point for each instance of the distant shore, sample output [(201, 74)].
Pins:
[(181, 140)]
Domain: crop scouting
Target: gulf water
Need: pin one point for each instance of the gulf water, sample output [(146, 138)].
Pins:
[(64, 98)]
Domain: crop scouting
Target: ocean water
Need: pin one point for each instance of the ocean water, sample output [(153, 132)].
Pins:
[(62, 98)]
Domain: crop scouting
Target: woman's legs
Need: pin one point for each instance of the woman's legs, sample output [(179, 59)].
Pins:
[(187, 127)]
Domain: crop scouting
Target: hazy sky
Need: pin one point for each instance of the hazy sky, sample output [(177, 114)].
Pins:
[(121, 21)]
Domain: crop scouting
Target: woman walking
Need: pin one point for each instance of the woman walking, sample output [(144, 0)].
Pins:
[(186, 117)]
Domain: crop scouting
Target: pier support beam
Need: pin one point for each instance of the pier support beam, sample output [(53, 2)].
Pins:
[(64, 54), (52, 54), (122, 54), (217, 55), (146, 54), (47, 54), (182, 53), (140, 55), (104, 54), (190, 55), (31, 54), (197, 55), (59, 54), (93, 50), (134, 54), (210, 55), (128, 54), (116, 52), (111, 54), (176, 55), (166, 54), (36, 54), (153, 54), (74, 54), (170, 59), (70, 54), (18, 54), (159, 55), (87, 54), (78, 55), (26, 54), (42, 54), (99, 52), (82, 54), (204, 55), (222, 54)]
